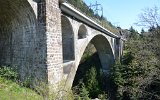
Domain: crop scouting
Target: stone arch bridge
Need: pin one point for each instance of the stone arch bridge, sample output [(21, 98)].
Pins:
[(46, 39)]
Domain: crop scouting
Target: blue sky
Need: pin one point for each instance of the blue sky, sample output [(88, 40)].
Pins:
[(124, 13)]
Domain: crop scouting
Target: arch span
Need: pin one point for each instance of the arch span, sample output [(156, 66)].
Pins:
[(104, 50)]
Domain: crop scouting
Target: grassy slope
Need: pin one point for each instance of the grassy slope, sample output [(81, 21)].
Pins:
[(11, 91)]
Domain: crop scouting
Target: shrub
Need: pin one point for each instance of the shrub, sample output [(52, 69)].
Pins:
[(8, 72), (84, 93)]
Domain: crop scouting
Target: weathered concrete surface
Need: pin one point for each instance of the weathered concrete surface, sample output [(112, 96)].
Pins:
[(67, 39), (46, 44), (105, 45)]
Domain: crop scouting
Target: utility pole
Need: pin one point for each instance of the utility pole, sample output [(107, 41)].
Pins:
[(97, 7)]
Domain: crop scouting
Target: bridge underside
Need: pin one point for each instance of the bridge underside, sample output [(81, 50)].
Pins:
[(17, 33), (20, 38)]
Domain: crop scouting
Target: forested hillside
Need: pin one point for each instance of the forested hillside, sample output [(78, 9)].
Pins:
[(81, 5), (137, 76)]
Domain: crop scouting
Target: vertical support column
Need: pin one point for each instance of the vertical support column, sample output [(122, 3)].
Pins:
[(117, 49), (106, 61), (121, 48), (54, 42), (50, 40)]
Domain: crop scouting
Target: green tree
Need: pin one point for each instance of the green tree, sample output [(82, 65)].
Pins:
[(84, 93), (142, 31), (134, 33), (91, 83)]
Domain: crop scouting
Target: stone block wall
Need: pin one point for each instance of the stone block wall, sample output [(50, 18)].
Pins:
[(54, 41), (31, 39), (20, 39)]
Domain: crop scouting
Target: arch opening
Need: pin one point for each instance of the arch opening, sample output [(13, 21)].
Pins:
[(105, 52), (82, 32), (89, 59), (17, 34), (67, 40), (100, 58)]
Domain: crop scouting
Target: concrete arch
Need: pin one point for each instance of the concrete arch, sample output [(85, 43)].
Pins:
[(103, 48), (18, 33), (105, 53), (82, 32), (67, 39)]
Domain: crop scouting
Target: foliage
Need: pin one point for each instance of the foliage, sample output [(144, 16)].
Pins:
[(142, 31), (8, 72), (138, 73), (89, 86), (84, 93), (81, 5), (88, 81), (103, 96), (134, 34), (91, 83), (140, 69), (89, 51), (10, 90)]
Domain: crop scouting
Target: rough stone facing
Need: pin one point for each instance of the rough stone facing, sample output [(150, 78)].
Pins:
[(54, 41), (18, 29)]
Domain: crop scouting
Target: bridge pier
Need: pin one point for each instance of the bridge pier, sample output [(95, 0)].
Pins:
[(118, 48), (106, 61), (54, 42)]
